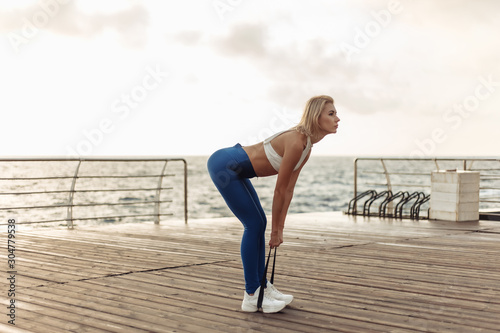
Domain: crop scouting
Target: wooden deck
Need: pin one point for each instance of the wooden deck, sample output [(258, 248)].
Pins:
[(347, 274)]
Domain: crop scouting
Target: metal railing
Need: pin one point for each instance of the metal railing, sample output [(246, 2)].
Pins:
[(397, 175), (63, 180)]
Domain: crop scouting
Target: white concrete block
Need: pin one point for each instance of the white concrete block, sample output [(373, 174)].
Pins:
[(454, 216), (449, 206), (454, 195), (454, 188), (455, 177)]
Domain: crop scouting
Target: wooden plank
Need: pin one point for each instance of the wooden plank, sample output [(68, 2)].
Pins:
[(63, 319), (105, 316), (41, 321), (9, 328)]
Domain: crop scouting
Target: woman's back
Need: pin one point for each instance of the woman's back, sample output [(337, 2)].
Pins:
[(261, 159)]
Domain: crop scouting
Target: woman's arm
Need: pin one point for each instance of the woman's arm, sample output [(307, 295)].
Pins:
[(283, 191)]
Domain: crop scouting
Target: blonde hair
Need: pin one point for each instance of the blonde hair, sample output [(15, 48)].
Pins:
[(308, 125)]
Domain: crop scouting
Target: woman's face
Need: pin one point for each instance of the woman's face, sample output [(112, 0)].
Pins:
[(328, 121)]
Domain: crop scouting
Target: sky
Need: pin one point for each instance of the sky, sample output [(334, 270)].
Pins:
[(177, 78)]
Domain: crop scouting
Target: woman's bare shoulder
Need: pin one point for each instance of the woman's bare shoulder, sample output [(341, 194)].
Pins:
[(295, 138)]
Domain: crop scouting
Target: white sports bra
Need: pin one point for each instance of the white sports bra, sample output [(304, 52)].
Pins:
[(276, 159)]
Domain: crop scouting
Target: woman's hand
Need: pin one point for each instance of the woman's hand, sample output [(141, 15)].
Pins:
[(276, 239)]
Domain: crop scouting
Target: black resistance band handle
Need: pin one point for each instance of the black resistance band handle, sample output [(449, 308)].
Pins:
[(274, 264), (263, 281)]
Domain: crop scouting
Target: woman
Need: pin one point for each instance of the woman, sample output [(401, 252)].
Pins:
[(284, 154)]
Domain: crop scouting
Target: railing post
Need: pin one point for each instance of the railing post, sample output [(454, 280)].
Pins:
[(158, 194), (355, 182), (387, 176), (185, 191), (71, 196), (436, 162), (388, 180)]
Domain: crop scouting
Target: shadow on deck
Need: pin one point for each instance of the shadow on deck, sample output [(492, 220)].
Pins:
[(347, 274)]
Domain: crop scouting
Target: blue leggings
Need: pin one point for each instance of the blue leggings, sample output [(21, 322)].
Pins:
[(230, 170)]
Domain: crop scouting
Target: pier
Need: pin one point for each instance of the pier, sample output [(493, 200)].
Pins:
[(347, 274)]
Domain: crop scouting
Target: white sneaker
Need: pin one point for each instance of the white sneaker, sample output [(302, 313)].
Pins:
[(274, 293), (268, 305)]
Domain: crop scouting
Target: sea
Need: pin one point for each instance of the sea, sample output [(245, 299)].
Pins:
[(325, 184), (36, 192)]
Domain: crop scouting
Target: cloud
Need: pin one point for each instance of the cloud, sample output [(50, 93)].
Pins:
[(307, 67), (129, 24), (188, 38), (244, 40), (426, 59)]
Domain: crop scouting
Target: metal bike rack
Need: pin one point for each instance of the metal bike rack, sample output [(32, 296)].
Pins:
[(392, 205), (390, 179), (353, 203), (375, 198)]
